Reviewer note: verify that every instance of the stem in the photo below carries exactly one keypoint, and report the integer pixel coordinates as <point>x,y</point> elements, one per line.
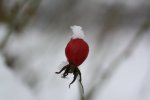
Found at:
<point>81,92</point>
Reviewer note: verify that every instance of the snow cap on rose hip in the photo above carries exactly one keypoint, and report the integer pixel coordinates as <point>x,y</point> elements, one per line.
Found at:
<point>77,32</point>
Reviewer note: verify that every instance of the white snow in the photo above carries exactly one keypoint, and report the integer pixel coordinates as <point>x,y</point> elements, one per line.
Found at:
<point>38,58</point>
<point>11,87</point>
<point>77,32</point>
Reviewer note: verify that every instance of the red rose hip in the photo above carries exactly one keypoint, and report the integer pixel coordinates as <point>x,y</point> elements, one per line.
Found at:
<point>76,52</point>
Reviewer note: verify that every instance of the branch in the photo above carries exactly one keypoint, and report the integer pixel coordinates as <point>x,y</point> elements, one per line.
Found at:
<point>114,65</point>
<point>20,17</point>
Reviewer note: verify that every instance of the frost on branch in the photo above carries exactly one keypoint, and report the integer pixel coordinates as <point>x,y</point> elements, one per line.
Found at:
<point>77,32</point>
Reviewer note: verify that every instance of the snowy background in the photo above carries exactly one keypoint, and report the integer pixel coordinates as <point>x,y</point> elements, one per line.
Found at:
<point>33,36</point>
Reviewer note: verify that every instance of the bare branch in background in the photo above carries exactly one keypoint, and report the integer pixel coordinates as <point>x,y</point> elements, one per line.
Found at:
<point>25,14</point>
<point>111,20</point>
<point>114,65</point>
<point>21,14</point>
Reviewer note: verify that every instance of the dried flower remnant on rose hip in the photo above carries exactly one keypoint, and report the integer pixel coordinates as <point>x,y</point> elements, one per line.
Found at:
<point>76,52</point>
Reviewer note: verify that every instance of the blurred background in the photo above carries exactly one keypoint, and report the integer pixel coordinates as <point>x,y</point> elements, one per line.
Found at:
<point>33,36</point>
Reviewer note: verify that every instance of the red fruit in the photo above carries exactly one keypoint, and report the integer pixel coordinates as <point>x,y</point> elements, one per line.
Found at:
<point>76,51</point>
